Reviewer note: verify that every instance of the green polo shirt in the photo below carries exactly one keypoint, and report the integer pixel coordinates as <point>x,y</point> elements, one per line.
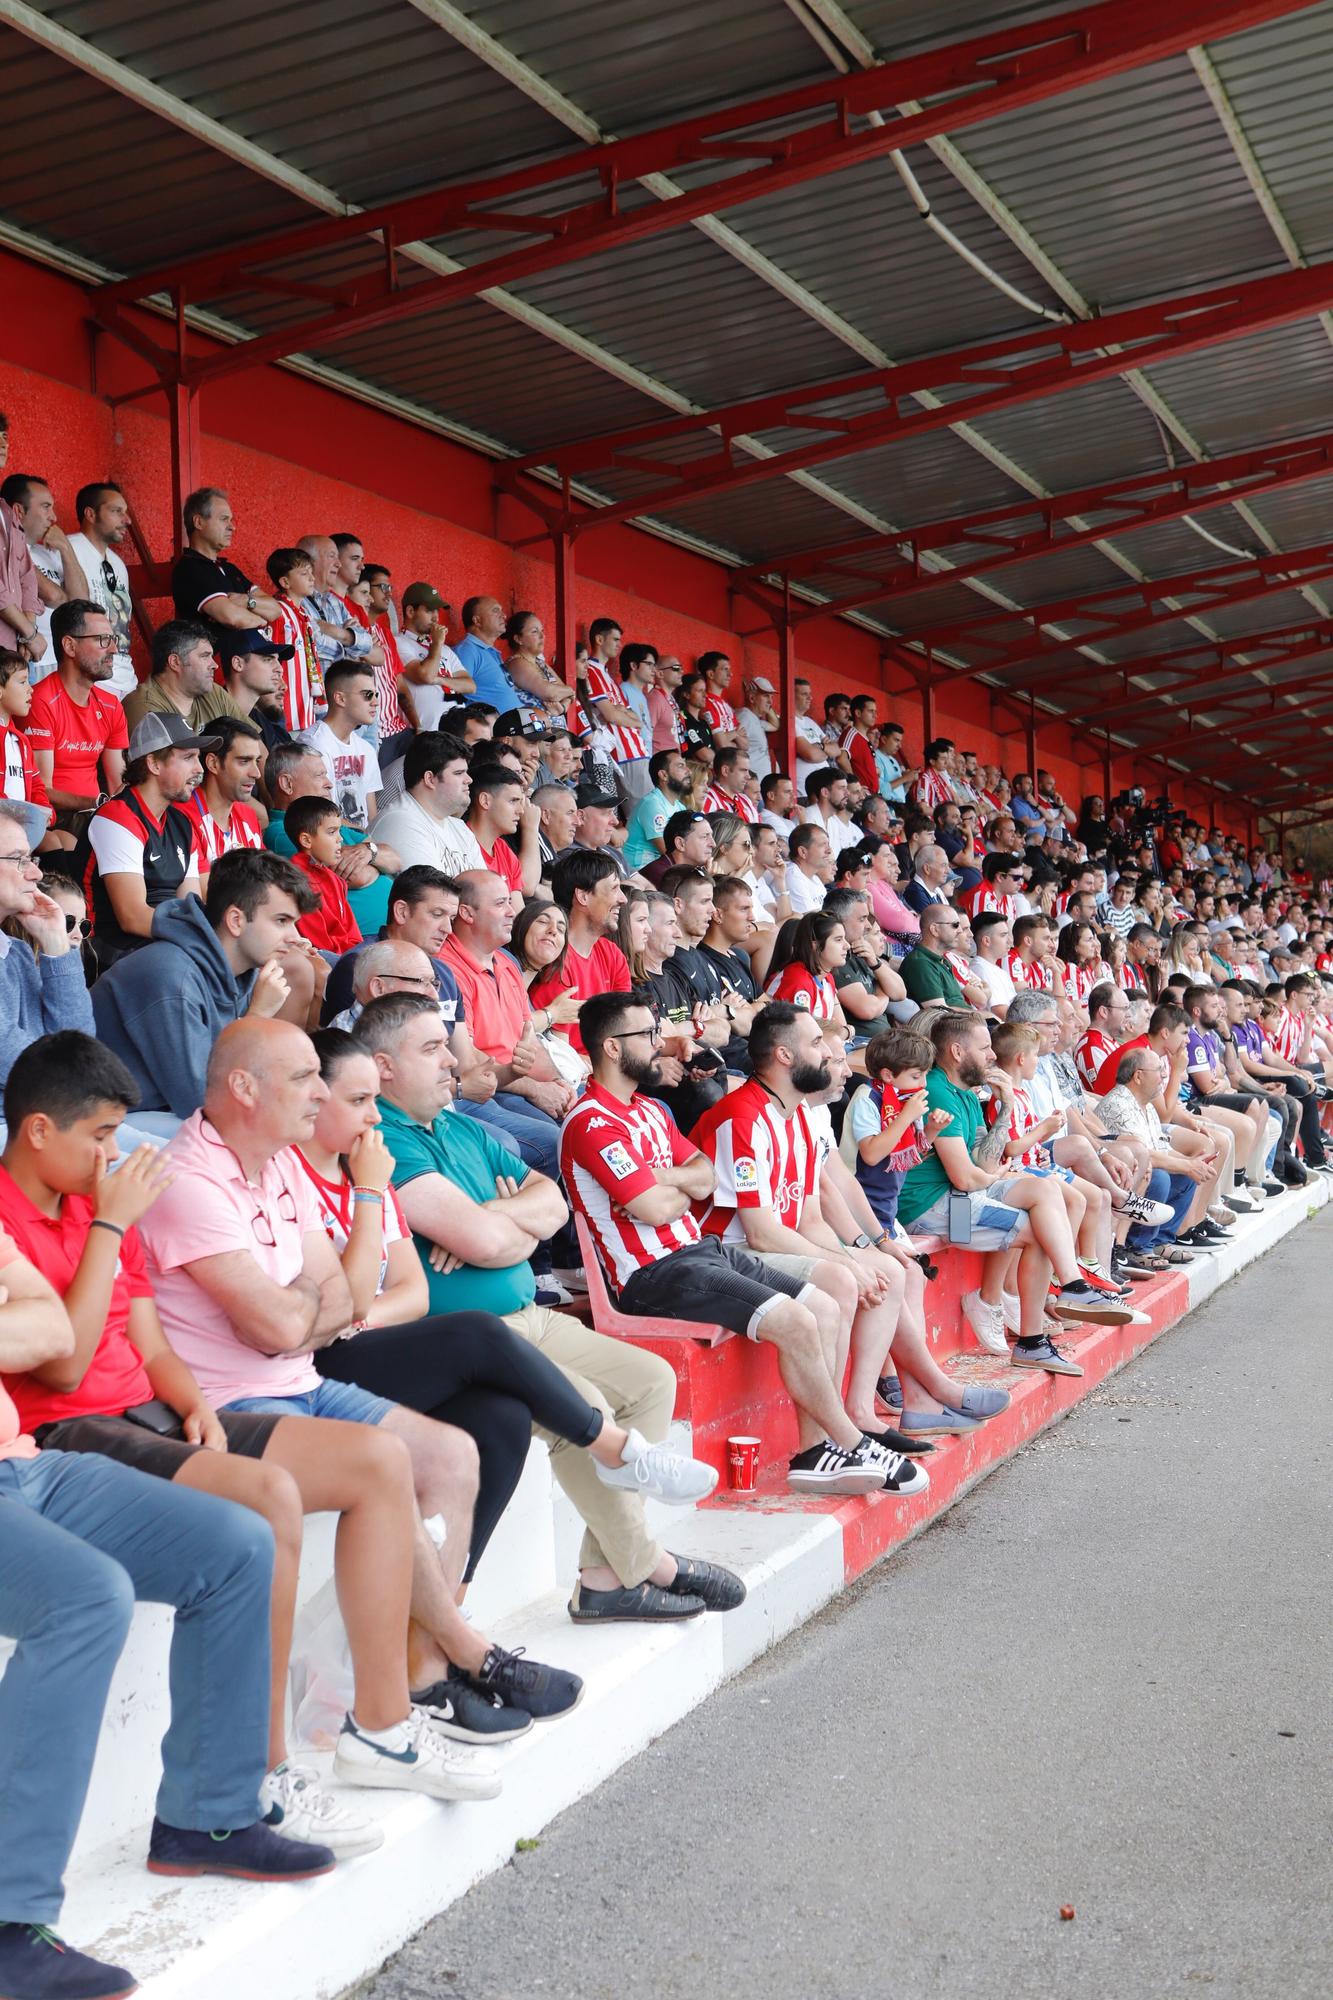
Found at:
<point>928,977</point>
<point>465,1153</point>
<point>925,1184</point>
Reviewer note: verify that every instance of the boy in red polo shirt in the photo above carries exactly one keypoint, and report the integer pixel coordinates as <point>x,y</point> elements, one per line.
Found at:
<point>315,830</point>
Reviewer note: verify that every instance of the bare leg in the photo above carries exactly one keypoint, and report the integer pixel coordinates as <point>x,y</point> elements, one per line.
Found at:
<point>794,1332</point>
<point>364,1476</point>
<point>444,1476</point>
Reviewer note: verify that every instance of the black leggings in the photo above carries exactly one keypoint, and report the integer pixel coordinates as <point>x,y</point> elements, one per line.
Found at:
<point>471,1370</point>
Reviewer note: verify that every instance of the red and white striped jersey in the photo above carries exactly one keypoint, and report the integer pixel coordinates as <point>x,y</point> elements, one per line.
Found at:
<point>931,789</point>
<point>627,746</point>
<point>1034,978</point>
<point>610,1153</point>
<point>1287,1033</point>
<point>1022,1118</point>
<point>1079,982</point>
<point>213,841</point>
<point>719,713</point>
<point>1091,1053</point>
<point>391,717</point>
<point>959,966</point>
<point>762,1160</point>
<point>302,676</point>
<point>984,897</point>
<point>718,801</point>
<point>814,992</point>
<point>1130,978</point>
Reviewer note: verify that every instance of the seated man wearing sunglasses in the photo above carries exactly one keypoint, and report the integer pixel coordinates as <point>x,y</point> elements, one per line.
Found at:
<point>42,989</point>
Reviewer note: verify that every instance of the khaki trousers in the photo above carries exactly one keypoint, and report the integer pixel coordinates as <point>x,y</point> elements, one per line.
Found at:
<point>636,1390</point>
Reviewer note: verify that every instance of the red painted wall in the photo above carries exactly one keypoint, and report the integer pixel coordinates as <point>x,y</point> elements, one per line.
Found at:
<point>298,458</point>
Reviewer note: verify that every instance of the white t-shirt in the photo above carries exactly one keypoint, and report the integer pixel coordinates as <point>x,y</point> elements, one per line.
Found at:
<point>839,833</point>
<point>447,844</point>
<point>429,697</point>
<point>995,979</point>
<point>809,741</point>
<point>805,892</point>
<point>756,742</point>
<point>762,900</point>
<point>50,565</point>
<point>115,603</point>
<point>353,768</point>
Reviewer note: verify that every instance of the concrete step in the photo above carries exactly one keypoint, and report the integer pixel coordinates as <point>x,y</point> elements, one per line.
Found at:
<point>309,1942</point>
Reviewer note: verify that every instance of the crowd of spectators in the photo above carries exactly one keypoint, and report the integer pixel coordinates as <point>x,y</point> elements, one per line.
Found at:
<point>362,971</point>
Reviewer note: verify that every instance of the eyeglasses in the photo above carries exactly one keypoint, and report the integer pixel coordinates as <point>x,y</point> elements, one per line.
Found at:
<point>106,640</point>
<point>18,860</point>
<point>627,1034</point>
<point>262,1225</point>
<point>411,979</point>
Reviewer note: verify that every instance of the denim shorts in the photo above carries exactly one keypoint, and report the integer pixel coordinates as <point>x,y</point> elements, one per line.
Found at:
<point>994,1226</point>
<point>344,1402</point>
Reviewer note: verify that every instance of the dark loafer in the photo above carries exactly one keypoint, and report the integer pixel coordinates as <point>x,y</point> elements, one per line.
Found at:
<point>718,1587</point>
<point>646,1603</point>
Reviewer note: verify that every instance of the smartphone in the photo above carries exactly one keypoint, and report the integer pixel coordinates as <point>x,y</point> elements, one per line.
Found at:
<point>156,1416</point>
<point>960,1217</point>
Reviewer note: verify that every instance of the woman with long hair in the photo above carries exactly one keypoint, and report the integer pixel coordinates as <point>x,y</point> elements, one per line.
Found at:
<point>525,637</point>
<point>539,940</point>
<point>1080,950</point>
<point>808,952</point>
<point>899,922</point>
<point>633,927</point>
<point>732,847</point>
<point>1184,955</point>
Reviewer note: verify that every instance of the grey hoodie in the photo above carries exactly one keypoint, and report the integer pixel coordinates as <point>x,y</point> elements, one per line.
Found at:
<point>162,1008</point>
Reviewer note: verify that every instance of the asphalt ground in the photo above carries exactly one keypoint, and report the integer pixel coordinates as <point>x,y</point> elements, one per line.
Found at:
<point>1101,1682</point>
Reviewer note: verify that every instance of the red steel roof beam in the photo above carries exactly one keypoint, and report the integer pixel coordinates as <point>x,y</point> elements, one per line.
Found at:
<point>1028,528</point>
<point>1194,737</point>
<point>975,382</point>
<point>1119,612</point>
<point>780,141</point>
<point>1202,664</point>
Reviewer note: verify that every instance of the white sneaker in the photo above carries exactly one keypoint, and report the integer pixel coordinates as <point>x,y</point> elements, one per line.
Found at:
<point>1011,1311</point>
<point>418,1760</point>
<point>986,1322</point>
<point>294,1803</point>
<point>655,1472</point>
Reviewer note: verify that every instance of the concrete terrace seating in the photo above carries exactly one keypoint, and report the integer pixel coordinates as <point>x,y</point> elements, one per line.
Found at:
<point>207,1940</point>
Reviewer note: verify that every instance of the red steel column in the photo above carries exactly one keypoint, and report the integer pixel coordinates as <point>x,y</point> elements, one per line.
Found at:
<point>787,680</point>
<point>562,544</point>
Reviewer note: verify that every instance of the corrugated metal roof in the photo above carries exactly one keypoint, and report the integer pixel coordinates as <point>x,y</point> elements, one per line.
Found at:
<point>1133,188</point>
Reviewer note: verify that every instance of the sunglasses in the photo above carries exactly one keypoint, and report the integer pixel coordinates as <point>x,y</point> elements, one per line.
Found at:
<point>77,926</point>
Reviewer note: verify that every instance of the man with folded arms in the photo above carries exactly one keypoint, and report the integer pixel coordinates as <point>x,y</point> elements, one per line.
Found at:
<point>477,1218</point>
<point>637,1182</point>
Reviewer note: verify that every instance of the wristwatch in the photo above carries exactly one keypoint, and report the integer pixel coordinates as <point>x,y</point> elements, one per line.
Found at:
<point>372,848</point>
<point>862,1242</point>
<point>250,604</point>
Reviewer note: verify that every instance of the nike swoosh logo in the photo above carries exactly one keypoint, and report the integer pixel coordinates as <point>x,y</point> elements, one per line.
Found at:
<point>398,1756</point>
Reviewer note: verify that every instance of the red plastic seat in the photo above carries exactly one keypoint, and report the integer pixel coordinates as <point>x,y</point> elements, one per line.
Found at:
<point>629,1326</point>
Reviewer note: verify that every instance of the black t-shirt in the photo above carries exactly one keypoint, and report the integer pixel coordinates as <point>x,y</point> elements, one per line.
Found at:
<point>196,578</point>
<point>700,967</point>
<point>858,972</point>
<point>733,969</point>
<point>696,730</point>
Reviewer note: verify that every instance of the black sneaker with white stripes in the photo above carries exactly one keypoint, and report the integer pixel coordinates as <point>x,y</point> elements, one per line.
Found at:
<point>827,1468</point>
<point>900,1476</point>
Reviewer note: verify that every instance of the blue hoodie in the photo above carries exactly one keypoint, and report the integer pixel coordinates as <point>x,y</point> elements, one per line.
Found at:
<point>162,1008</point>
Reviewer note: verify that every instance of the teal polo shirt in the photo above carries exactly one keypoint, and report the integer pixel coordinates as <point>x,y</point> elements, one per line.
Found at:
<point>926,1183</point>
<point>465,1153</point>
<point>647,823</point>
<point>370,906</point>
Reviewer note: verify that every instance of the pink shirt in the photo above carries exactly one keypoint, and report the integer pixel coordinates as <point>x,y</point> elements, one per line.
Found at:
<point>18,578</point>
<point>209,1209</point>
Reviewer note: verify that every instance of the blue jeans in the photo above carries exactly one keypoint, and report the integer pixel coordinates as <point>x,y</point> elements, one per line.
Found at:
<point>81,1539</point>
<point>1178,1191</point>
<point>342,1402</point>
<point>534,1131</point>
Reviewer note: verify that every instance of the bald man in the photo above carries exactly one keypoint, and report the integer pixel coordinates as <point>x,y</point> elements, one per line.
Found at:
<point>248,1284</point>
<point>389,965</point>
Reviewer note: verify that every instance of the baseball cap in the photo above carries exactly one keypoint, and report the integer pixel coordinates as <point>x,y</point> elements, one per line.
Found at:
<point>157,733</point>
<point>592,794</point>
<point>241,645</point>
<point>759,681</point>
<point>526,723</point>
<point>422,593</point>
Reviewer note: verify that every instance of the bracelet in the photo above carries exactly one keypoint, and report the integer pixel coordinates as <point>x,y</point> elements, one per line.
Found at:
<point>99,1222</point>
<point>368,1194</point>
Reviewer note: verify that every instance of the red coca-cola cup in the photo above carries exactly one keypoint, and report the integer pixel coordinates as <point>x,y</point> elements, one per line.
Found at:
<point>743,1463</point>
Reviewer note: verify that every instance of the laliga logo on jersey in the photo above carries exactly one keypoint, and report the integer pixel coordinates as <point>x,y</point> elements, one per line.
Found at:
<point>747,1177</point>
<point>619,1161</point>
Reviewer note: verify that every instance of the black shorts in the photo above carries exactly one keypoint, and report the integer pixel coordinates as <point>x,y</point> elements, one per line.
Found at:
<point>248,1434</point>
<point>711,1284</point>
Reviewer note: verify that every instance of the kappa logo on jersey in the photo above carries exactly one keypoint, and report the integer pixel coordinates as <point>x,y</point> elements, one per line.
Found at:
<point>598,1124</point>
<point>618,1159</point>
<point>747,1176</point>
